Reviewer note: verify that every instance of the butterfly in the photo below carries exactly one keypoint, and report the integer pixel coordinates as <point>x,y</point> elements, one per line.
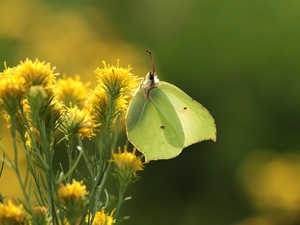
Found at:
<point>161,119</point>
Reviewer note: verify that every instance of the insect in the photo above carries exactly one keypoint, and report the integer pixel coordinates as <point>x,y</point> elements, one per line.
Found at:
<point>161,119</point>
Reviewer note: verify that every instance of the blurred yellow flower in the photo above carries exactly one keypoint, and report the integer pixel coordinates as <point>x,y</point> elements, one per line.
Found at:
<point>127,162</point>
<point>72,193</point>
<point>272,181</point>
<point>11,214</point>
<point>102,219</point>
<point>12,90</point>
<point>72,91</point>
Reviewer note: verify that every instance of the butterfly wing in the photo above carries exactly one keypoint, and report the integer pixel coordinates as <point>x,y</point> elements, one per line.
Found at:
<point>198,124</point>
<point>153,126</point>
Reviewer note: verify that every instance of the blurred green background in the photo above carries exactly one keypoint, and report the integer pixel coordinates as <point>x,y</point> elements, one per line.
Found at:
<point>240,59</point>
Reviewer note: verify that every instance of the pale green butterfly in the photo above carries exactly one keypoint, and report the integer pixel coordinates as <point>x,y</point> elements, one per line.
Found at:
<point>161,119</point>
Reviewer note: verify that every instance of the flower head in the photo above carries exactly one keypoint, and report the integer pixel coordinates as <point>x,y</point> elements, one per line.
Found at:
<point>35,73</point>
<point>126,166</point>
<point>72,193</point>
<point>117,79</point>
<point>79,122</point>
<point>73,199</point>
<point>12,90</point>
<point>127,162</point>
<point>11,214</point>
<point>101,218</point>
<point>115,87</point>
<point>72,91</point>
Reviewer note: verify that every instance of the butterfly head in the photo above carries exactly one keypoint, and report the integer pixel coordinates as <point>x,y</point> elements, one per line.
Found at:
<point>150,80</point>
<point>151,76</point>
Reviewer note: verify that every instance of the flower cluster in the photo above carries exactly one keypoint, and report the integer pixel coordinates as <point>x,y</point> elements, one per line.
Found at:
<point>45,114</point>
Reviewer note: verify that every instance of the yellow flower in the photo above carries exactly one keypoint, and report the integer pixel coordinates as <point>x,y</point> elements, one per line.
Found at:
<point>72,90</point>
<point>101,218</point>
<point>72,193</point>
<point>11,214</point>
<point>12,90</point>
<point>110,97</point>
<point>117,82</point>
<point>73,199</point>
<point>35,73</point>
<point>80,122</point>
<point>117,79</point>
<point>127,161</point>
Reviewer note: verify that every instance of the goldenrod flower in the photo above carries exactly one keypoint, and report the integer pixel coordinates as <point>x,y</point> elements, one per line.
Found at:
<point>74,193</point>
<point>11,214</point>
<point>80,122</point>
<point>41,74</point>
<point>101,218</point>
<point>72,91</point>
<point>35,73</point>
<point>73,199</point>
<point>116,86</point>
<point>127,162</point>
<point>117,79</point>
<point>12,90</point>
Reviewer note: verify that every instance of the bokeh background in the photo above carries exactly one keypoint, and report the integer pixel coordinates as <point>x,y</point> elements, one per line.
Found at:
<point>240,59</point>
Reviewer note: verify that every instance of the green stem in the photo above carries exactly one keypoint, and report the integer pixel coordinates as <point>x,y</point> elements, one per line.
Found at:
<point>70,145</point>
<point>122,189</point>
<point>50,186</point>
<point>16,163</point>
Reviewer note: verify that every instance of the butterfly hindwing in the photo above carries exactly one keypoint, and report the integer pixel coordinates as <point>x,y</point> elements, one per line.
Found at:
<point>197,122</point>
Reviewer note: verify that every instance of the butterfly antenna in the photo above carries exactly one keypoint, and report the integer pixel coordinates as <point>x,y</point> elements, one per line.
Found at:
<point>152,59</point>
<point>152,74</point>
